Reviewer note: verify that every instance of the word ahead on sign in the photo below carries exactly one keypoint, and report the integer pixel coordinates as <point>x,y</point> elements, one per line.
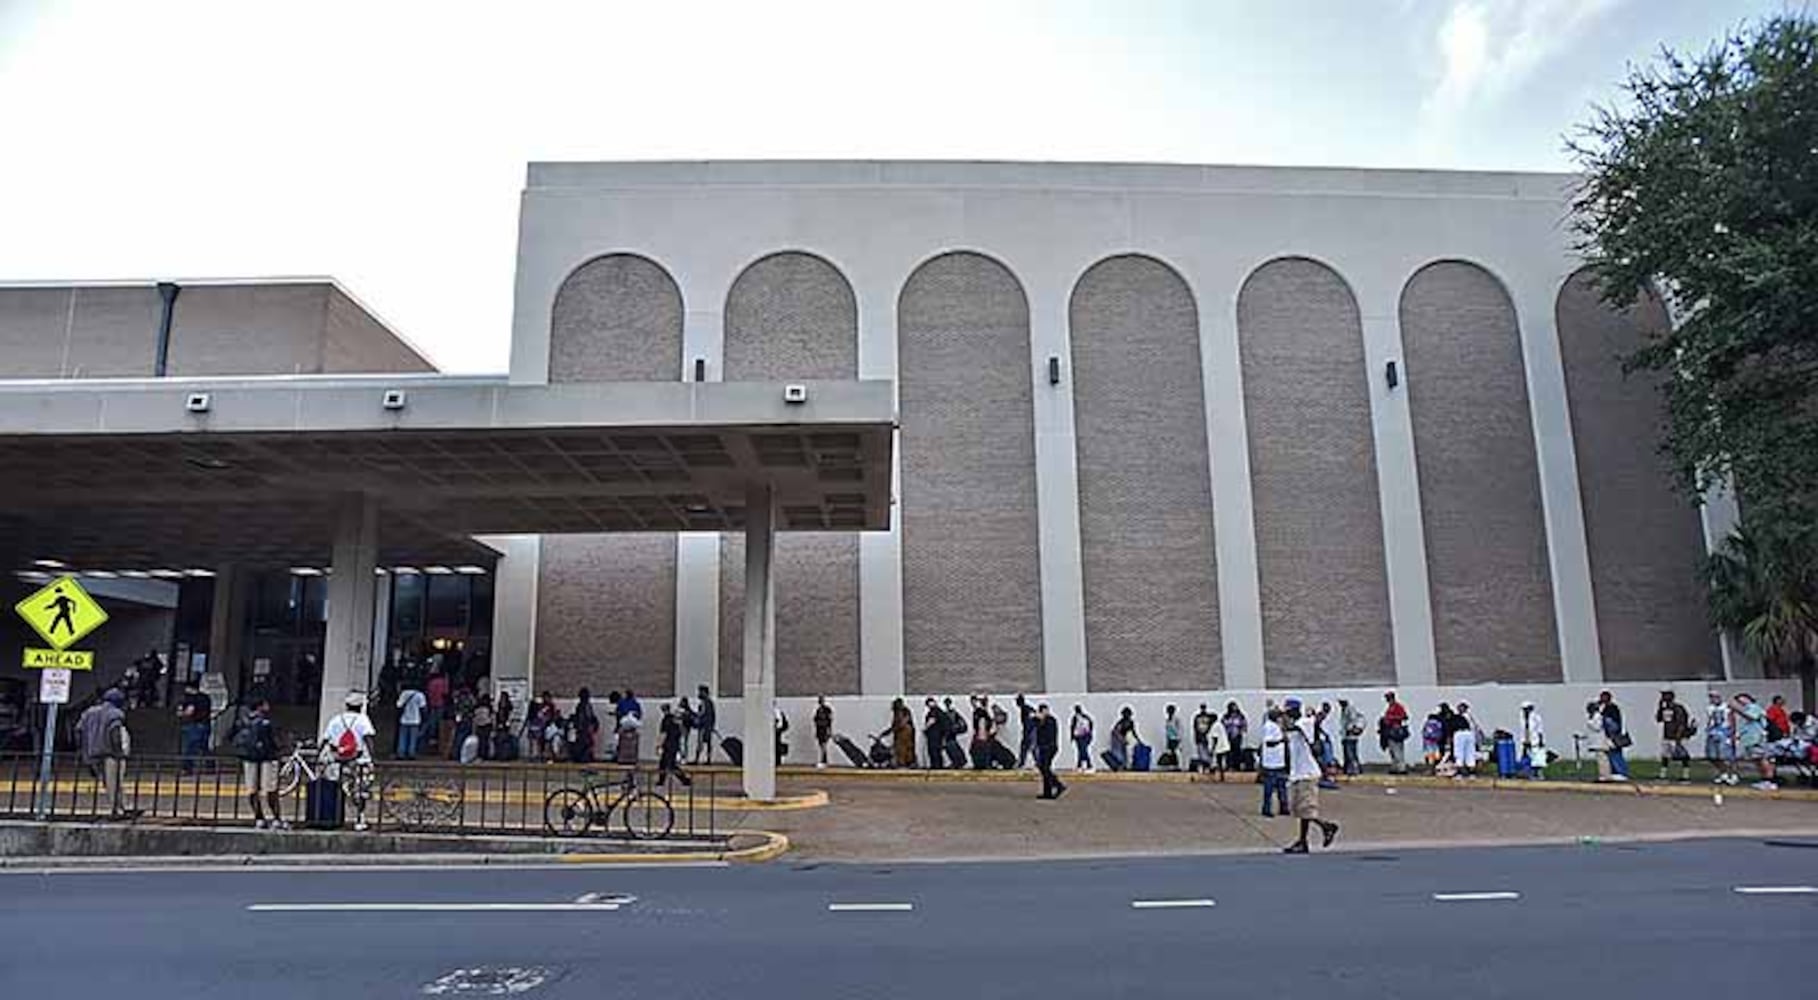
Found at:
<point>59,659</point>
<point>61,612</point>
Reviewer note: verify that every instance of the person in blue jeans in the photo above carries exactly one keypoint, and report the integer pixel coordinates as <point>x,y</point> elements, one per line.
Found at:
<point>194,712</point>
<point>1082,738</point>
<point>1273,762</point>
<point>1613,729</point>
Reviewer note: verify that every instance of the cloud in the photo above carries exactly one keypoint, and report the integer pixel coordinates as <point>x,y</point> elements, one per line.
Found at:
<point>1486,49</point>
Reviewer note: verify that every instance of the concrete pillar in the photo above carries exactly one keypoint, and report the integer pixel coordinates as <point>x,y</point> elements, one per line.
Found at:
<point>760,642</point>
<point>1233,507</point>
<point>1719,515</point>
<point>514,606</point>
<point>347,648</point>
<point>227,623</point>
<point>1063,584</point>
<point>1404,543</point>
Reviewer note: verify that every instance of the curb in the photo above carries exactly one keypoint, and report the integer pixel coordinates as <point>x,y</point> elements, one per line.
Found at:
<point>782,803</point>
<point>775,845</point>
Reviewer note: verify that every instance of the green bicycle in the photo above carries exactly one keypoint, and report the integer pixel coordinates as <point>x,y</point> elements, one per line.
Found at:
<point>643,814</point>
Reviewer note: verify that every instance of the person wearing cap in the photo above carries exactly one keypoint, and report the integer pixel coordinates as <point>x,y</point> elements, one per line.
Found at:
<point>105,745</point>
<point>347,750</point>
<point>1533,742</point>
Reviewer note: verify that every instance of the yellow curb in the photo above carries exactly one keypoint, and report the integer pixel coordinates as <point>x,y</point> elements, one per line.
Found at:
<point>775,845</point>
<point>782,803</point>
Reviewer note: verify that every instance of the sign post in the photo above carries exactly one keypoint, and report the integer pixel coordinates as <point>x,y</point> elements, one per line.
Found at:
<point>62,612</point>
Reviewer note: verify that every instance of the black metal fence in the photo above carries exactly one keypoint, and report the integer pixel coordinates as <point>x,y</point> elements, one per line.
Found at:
<point>602,801</point>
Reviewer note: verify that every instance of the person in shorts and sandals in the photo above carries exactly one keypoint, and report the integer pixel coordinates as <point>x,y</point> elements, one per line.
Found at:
<point>256,741</point>
<point>1720,740</point>
<point>1676,726</point>
<point>1304,774</point>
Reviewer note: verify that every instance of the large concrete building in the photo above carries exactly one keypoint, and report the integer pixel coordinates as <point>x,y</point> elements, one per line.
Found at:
<point>1165,432</point>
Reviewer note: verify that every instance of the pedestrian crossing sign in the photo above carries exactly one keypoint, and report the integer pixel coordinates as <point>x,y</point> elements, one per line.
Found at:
<point>61,612</point>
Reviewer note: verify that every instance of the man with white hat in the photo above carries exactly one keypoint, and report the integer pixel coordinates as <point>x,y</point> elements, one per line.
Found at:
<point>347,750</point>
<point>1533,743</point>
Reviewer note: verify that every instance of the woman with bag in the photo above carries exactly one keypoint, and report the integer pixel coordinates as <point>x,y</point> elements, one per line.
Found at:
<point>1616,736</point>
<point>1082,738</point>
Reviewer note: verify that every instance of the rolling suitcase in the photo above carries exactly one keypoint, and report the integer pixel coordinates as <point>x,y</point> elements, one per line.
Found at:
<point>1111,762</point>
<point>735,750</point>
<point>322,805</point>
<point>852,751</point>
<point>881,754</point>
<point>1141,757</point>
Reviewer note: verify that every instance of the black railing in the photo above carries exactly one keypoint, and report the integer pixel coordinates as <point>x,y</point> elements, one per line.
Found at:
<point>511,799</point>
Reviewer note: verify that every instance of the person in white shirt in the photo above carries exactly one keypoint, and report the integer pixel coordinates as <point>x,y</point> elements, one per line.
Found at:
<point>1303,779</point>
<point>1274,763</point>
<point>411,704</point>
<point>347,752</point>
<point>1464,743</point>
<point>1533,741</point>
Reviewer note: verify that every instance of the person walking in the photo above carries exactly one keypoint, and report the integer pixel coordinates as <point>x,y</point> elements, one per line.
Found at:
<point>1676,727</point>
<point>706,725</point>
<point>902,734</point>
<point>669,753</point>
<point>1025,718</point>
<point>256,741</point>
<point>823,728</point>
<point>1171,741</point>
<point>1720,740</point>
<point>586,729</point>
<point>194,713</point>
<point>1081,730</point>
<point>435,700</point>
<point>1047,745</point>
<point>1304,773</point>
<point>934,733</point>
<point>1273,761</point>
<point>1392,733</point>
<point>1237,725</point>
<point>1205,742</point>
<point>411,704</point>
<point>1351,724</point>
<point>1533,742</point>
<point>1617,734</point>
<point>104,744</point>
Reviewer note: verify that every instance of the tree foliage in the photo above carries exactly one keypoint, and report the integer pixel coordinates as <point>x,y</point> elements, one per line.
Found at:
<point>1703,183</point>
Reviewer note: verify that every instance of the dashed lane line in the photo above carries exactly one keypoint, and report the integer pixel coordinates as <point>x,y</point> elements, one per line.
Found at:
<point>1474,897</point>
<point>1171,904</point>
<point>1777,890</point>
<point>870,907</point>
<point>433,908</point>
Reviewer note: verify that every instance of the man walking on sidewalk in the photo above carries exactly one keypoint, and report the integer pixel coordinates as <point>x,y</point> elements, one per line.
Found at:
<point>1046,729</point>
<point>1303,780</point>
<point>104,744</point>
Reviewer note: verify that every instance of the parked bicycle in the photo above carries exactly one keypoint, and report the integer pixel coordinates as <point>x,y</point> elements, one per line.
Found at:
<point>303,764</point>
<point>644,814</point>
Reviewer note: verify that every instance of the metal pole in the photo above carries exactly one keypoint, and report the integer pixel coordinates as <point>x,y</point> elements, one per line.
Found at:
<point>167,291</point>
<point>44,765</point>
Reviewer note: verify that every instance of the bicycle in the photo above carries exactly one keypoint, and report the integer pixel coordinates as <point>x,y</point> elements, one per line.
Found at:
<point>299,767</point>
<point>643,814</point>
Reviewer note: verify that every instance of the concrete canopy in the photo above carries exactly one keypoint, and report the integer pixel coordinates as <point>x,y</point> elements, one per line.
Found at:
<point>138,474</point>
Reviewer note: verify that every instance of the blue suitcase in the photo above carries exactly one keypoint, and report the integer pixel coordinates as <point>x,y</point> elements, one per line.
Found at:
<point>1140,758</point>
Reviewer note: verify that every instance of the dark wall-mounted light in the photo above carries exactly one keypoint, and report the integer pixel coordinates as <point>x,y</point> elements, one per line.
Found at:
<point>1053,370</point>
<point>1391,374</point>
<point>700,369</point>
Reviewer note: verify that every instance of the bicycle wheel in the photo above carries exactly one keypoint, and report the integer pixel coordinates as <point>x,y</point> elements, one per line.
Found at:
<point>567,812</point>
<point>290,775</point>
<point>646,815</point>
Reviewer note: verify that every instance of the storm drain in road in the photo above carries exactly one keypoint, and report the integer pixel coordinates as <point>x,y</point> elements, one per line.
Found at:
<point>491,981</point>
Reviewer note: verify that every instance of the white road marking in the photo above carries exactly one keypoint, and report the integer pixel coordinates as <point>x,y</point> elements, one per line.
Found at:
<point>870,907</point>
<point>591,897</point>
<point>251,866</point>
<point>1170,904</point>
<point>488,981</point>
<point>1473,897</point>
<point>433,907</point>
<point>1777,890</point>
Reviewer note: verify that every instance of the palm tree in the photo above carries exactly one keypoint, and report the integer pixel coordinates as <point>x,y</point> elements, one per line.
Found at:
<point>1762,587</point>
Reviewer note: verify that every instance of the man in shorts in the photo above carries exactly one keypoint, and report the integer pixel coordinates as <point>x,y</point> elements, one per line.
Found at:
<point>1304,774</point>
<point>1675,728</point>
<point>257,744</point>
<point>1720,740</point>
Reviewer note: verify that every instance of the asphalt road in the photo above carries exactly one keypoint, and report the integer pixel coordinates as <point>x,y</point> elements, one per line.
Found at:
<point>1614,921</point>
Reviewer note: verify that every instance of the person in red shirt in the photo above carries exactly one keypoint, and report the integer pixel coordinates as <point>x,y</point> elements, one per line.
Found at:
<point>1392,733</point>
<point>1778,719</point>
<point>436,692</point>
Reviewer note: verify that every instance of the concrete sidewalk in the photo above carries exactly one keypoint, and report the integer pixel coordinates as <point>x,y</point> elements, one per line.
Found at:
<point>888,818</point>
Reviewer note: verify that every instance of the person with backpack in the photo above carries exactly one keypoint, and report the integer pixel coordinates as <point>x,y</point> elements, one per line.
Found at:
<point>956,728</point>
<point>934,732</point>
<point>256,741</point>
<point>1081,728</point>
<point>347,754</point>
<point>105,744</point>
<point>1676,726</point>
<point>706,726</point>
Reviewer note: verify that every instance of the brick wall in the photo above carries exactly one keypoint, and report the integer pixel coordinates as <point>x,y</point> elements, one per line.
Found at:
<point>1479,480</point>
<point>1145,502</point>
<point>971,576</point>
<point>1645,540</point>
<point>1325,595</point>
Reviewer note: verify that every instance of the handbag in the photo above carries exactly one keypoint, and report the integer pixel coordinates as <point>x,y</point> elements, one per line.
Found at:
<point>1621,741</point>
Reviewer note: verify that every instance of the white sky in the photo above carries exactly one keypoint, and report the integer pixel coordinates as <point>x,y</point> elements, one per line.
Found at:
<point>384,142</point>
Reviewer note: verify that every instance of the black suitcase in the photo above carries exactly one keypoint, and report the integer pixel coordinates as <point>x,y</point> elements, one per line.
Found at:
<point>735,750</point>
<point>881,754</point>
<point>1111,763</point>
<point>1002,756</point>
<point>322,805</point>
<point>852,751</point>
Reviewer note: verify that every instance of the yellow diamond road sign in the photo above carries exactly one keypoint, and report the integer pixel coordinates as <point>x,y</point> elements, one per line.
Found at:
<point>62,612</point>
